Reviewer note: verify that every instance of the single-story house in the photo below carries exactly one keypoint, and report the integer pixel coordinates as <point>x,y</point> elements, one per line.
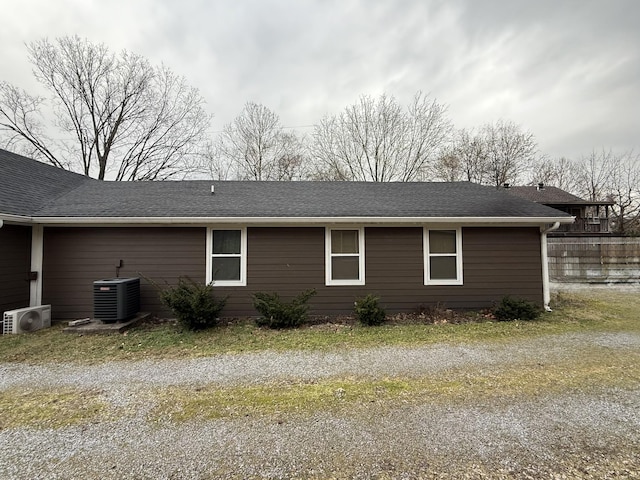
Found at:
<point>591,217</point>
<point>458,244</point>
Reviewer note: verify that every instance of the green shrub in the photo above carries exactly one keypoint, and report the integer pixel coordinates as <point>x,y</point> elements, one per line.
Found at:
<point>279,314</point>
<point>368,311</point>
<point>516,309</point>
<point>193,303</point>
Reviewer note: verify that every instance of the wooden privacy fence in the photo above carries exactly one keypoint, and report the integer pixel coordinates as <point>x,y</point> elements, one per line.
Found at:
<point>594,259</point>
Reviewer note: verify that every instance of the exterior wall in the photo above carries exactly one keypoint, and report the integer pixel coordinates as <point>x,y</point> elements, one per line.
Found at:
<point>594,259</point>
<point>15,265</point>
<point>75,257</point>
<point>497,262</point>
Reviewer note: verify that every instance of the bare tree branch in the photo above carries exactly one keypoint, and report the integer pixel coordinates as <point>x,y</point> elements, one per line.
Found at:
<point>20,118</point>
<point>558,172</point>
<point>593,175</point>
<point>377,140</point>
<point>257,147</point>
<point>120,115</point>
<point>510,151</point>
<point>498,153</point>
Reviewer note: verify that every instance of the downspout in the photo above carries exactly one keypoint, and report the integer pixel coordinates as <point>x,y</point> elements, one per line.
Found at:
<point>546,293</point>
<point>37,247</point>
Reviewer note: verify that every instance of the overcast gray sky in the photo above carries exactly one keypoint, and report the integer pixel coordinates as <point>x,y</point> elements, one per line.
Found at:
<point>568,71</point>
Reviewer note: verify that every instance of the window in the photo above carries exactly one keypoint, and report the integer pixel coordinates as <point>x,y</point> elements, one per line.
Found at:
<point>443,257</point>
<point>344,256</point>
<point>227,256</point>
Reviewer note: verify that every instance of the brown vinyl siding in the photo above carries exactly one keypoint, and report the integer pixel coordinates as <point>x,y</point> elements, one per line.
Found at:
<point>288,260</point>
<point>15,265</point>
<point>497,262</point>
<point>75,257</point>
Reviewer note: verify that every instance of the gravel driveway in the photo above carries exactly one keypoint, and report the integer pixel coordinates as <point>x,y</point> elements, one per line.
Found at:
<point>591,434</point>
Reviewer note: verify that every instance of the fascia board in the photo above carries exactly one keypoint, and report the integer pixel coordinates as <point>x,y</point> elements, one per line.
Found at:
<point>293,221</point>
<point>10,218</point>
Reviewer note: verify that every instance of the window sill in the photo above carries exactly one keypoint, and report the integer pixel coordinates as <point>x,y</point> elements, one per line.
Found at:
<point>221,283</point>
<point>443,282</point>
<point>344,283</point>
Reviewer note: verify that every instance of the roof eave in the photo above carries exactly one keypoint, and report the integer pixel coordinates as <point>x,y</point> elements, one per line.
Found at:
<point>583,203</point>
<point>12,218</point>
<point>285,221</point>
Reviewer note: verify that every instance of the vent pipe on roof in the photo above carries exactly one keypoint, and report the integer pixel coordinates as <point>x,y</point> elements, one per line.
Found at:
<point>541,186</point>
<point>213,189</point>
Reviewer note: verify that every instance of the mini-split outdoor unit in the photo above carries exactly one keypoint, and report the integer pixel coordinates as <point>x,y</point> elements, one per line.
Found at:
<point>27,319</point>
<point>116,299</point>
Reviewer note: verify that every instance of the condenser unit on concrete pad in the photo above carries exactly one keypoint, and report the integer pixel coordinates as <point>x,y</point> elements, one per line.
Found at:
<point>28,319</point>
<point>116,299</point>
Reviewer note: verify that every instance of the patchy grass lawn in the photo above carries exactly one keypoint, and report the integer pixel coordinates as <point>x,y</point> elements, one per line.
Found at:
<point>50,408</point>
<point>601,311</point>
<point>592,368</point>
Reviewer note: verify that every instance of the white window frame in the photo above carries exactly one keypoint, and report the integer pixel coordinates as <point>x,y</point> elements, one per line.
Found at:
<point>328,256</point>
<point>243,258</point>
<point>427,255</point>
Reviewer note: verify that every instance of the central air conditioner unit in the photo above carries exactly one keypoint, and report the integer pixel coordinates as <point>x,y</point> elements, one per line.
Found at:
<point>27,319</point>
<point>116,299</point>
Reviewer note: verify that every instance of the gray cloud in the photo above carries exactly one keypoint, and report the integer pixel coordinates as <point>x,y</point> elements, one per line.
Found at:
<point>568,71</point>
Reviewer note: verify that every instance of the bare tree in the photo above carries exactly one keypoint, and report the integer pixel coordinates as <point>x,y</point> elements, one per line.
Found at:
<point>510,151</point>
<point>496,154</point>
<point>214,164</point>
<point>118,115</point>
<point>448,166</point>
<point>22,124</point>
<point>378,140</point>
<point>593,175</point>
<point>465,159</point>
<point>256,147</point>
<point>559,172</point>
<point>624,189</point>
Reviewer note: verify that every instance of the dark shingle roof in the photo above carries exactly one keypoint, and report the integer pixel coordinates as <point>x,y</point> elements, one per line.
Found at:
<point>34,189</point>
<point>27,185</point>
<point>550,196</point>
<point>290,199</point>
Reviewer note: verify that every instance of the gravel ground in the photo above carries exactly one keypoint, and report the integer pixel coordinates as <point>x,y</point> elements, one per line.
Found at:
<point>592,434</point>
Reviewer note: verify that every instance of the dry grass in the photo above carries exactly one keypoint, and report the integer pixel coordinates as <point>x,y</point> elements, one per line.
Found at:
<point>602,311</point>
<point>596,367</point>
<point>50,408</point>
<point>592,368</point>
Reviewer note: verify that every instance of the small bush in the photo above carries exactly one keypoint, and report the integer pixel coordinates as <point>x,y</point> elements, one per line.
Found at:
<point>193,304</point>
<point>279,314</point>
<point>368,311</point>
<point>516,309</point>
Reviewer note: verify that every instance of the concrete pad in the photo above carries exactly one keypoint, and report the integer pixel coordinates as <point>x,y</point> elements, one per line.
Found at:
<point>96,326</point>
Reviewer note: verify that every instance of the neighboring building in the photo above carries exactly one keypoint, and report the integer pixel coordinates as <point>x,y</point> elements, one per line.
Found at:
<point>591,218</point>
<point>458,244</point>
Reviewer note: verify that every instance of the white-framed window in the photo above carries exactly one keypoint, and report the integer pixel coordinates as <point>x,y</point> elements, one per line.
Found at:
<point>227,256</point>
<point>344,259</point>
<point>442,256</point>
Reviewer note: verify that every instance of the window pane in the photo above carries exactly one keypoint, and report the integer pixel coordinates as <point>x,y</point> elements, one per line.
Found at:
<point>442,241</point>
<point>443,268</point>
<point>226,241</point>
<point>226,268</point>
<point>344,241</point>
<point>345,268</point>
